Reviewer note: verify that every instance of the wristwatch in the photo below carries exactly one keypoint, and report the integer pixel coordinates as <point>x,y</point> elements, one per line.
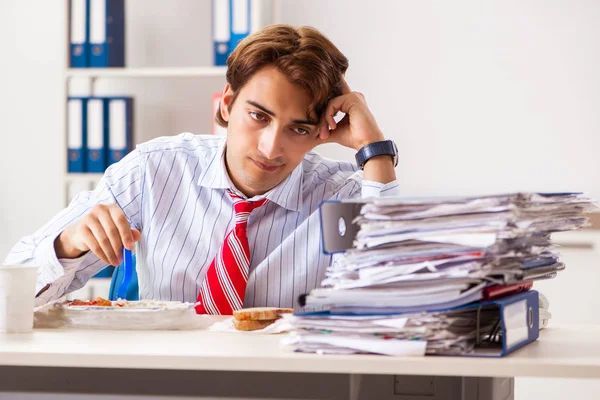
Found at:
<point>383,148</point>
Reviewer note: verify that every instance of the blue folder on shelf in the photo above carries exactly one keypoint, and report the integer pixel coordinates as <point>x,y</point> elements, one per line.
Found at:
<point>120,127</point>
<point>79,33</point>
<point>76,134</point>
<point>239,22</point>
<point>96,135</point>
<point>221,19</point>
<point>107,33</point>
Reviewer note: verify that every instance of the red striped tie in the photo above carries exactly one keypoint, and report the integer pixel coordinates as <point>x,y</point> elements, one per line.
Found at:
<point>224,285</point>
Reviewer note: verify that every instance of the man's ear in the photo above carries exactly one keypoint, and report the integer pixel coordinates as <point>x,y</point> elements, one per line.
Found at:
<point>226,99</point>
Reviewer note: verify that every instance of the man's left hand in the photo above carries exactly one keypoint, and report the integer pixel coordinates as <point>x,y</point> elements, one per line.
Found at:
<point>358,127</point>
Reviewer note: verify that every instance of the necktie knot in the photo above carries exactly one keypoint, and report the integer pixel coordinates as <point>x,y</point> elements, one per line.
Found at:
<point>243,208</point>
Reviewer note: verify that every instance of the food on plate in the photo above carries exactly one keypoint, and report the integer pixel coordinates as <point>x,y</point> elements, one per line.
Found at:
<point>251,319</point>
<point>101,313</point>
<point>97,302</point>
<point>101,302</point>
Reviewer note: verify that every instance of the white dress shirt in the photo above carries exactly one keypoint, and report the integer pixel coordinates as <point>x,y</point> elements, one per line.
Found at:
<point>173,190</point>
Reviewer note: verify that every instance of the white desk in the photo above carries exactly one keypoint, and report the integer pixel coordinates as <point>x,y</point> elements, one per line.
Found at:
<point>561,352</point>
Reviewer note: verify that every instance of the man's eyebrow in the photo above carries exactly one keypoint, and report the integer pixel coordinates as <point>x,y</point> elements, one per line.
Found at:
<point>266,110</point>
<point>272,114</point>
<point>305,122</point>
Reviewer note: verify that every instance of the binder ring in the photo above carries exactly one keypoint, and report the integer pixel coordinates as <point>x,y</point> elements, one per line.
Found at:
<point>342,226</point>
<point>530,318</point>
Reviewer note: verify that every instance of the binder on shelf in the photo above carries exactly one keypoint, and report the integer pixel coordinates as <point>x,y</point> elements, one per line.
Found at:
<point>120,127</point>
<point>221,32</point>
<point>76,134</point>
<point>216,128</point>
<point>239,22</point>
<point>96,134</point>
<point>79,34</point>
<point>107,33</point>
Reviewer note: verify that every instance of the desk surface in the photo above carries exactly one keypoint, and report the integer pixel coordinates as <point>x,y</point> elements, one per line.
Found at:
<point>562,351</point>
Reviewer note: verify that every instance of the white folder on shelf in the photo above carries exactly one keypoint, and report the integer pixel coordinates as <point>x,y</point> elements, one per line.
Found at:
<point>96,131</point>
<point>120,126</point>
<point>76,120</point>
<point>240,22</point>
<point>221,31</point>
<point>79,34</point>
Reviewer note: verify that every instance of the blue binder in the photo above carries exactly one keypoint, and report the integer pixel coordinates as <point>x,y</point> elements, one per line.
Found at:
<point>221,33</point>
<point>76,133</point>
<point>107,33</point>
<point>79,33</point>
<point>120,127</point>
<point>518,323</point>
<point>97,133</point>
<point>239,22</point>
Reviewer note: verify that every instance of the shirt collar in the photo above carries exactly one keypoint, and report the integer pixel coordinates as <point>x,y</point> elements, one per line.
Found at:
<point>287,194</point>
<point>214,174</point>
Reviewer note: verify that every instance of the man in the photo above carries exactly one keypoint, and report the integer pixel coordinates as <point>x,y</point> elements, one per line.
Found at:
<point>233,221</point>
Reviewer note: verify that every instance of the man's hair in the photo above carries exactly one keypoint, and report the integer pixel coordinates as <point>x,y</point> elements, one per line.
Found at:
<point>304,55</point>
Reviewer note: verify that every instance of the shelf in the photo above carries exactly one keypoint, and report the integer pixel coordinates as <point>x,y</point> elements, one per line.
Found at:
<point>158,72</point>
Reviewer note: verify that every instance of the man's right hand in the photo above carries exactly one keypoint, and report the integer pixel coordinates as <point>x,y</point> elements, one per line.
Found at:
<point>103,230</point>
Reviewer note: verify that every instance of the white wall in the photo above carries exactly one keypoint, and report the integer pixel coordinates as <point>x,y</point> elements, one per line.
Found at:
<point>31,59</point>
<point>480,95</point>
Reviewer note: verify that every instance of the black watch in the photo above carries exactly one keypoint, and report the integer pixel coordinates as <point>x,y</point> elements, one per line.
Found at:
<point>384,148</point>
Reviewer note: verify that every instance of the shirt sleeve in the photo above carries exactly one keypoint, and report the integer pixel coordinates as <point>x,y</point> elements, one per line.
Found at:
<point>355,187</point>
<point>121,185</point>
<point>377,189</point>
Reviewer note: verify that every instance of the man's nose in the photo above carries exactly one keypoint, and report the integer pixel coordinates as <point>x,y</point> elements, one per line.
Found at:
<point>270,144</point>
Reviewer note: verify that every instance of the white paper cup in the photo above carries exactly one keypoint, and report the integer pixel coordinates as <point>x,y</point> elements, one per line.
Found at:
<point>17,298</point>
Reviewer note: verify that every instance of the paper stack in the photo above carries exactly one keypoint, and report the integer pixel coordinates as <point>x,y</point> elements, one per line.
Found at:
<point>413,262</point>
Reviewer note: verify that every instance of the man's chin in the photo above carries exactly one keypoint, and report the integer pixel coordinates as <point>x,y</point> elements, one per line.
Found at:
<point>260,184</point>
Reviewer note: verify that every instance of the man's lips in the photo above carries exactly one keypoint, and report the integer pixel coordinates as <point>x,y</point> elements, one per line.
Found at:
<point>266,167</point>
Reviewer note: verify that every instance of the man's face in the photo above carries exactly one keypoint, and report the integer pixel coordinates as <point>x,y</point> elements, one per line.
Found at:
<point>268,132</point>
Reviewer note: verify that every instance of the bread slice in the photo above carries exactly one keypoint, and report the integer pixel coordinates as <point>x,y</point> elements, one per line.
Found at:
<point>260,313</point>
<point>252,325</point>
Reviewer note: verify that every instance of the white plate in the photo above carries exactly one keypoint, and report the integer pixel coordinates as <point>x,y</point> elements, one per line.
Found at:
<point>142,315</point>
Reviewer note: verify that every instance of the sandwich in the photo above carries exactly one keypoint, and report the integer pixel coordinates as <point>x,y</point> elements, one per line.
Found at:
<point>252,319</point>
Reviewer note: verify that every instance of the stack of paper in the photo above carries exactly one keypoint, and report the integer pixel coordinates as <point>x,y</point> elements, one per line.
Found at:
<point>449,333</point>
<point>428,255</point>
